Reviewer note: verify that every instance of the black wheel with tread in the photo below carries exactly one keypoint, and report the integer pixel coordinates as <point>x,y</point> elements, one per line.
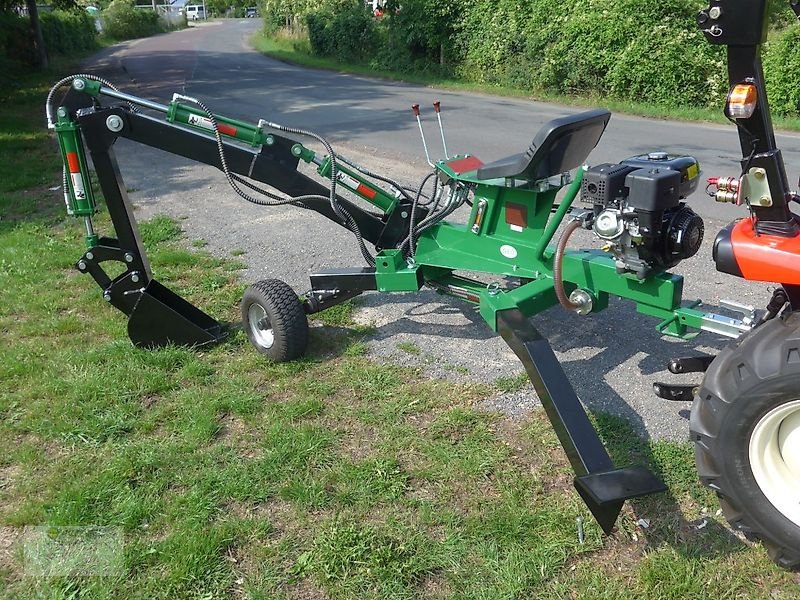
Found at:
<point>274,320</point>
<point>745,425</point>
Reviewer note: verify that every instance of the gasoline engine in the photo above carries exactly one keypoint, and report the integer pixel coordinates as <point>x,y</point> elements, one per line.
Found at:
<point>639,214</point>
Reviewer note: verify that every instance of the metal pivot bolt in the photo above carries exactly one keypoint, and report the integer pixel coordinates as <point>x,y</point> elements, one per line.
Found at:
<point>82,266</point>
<point>107,296</point>
<point>715,12</point>
<point>114,123</point>
<point>79,84</point>
<point>128,257</point>
<point>135,277</point>
<point>89,256</point>
<point>583,300</point>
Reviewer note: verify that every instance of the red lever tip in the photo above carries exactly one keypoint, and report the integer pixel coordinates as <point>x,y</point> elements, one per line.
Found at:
<point>437,106</point>
<point>415,108</point>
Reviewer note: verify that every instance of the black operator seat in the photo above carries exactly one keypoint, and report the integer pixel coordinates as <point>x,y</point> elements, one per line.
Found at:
<point>560,145</point>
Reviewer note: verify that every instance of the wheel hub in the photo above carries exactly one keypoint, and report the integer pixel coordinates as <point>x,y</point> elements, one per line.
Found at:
<point>775,458</point>
<point>260,327</point>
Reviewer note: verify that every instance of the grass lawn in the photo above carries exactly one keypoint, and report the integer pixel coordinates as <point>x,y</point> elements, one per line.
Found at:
<point>334,476</point>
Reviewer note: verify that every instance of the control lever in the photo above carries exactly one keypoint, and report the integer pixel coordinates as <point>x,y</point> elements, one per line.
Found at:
<point>415,108</point>
<point>437,106</point>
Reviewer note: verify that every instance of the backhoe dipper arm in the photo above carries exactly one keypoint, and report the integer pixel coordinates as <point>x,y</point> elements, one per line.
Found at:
<point>158,316</point>
<point>274,165</point>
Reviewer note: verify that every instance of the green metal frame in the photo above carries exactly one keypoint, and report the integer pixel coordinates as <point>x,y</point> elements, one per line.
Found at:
<point>495,247</point>
<point>489,242</point>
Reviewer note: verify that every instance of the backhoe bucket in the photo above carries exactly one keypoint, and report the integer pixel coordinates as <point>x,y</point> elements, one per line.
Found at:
<point>161,317</point>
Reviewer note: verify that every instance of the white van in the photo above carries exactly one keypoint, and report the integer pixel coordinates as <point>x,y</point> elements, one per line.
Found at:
<point>194,12</point>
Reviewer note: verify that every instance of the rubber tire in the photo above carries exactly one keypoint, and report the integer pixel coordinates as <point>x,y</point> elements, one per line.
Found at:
<point>747,380</point>
<point>286,316</point>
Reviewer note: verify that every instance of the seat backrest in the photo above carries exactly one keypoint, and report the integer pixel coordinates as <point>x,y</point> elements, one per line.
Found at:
<point>560,145</point>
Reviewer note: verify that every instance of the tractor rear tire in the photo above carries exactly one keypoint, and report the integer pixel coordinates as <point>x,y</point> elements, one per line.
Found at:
<point>745,425</point>
<point>274,320</point>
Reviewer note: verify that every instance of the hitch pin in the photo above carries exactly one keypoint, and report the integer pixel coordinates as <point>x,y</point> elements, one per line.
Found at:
<point>415,108</point>
<point>437,106</point>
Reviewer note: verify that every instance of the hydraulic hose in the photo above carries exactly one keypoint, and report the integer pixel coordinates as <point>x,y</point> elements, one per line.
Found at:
<point>346,219</point>
<point>48,106</point>
<point>558,282</point>
<point>413,216</point>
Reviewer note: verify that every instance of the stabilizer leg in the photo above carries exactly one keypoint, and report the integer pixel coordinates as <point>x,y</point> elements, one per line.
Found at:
<point>602,486</point>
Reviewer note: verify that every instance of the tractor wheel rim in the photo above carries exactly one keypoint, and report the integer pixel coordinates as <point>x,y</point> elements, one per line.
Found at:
<point>260,327</point>
<point>775,458</point>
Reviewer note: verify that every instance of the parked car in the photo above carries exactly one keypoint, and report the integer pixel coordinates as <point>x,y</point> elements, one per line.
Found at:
<point>195,11</point>
<point>251,12</point>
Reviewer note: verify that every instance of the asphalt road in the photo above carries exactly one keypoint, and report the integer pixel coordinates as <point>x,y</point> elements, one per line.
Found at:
<point>612,358</point>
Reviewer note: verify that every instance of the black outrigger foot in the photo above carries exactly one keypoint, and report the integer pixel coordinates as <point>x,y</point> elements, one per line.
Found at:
<point>603,487</point>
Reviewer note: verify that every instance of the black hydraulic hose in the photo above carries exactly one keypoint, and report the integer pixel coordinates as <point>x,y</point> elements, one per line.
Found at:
<point>48,105</point>
<point>346,219</point>
<point>400,188</point>
<point>558,282</point>
<point>432,218</point>
<point>455,200</point>
<point>413,216</point>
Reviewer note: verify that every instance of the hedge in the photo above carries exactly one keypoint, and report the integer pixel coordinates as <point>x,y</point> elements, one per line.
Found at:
<point>68,32</point>
<point>121,21</point>
<point>347,33</point>
<point>782,71</point>
<point>649,52</point>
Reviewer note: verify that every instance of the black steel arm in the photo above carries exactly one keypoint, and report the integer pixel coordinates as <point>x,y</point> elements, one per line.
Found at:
<point>603,487</point>
<point>741,26</point>
<point>274,165</point>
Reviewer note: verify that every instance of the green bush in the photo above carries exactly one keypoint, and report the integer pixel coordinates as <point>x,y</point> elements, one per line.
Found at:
<point>503,41</point>
<point>68,32</point>
<point>782,71</point>
<point>630,49</point>
<point>121,21</point>
<point>680,69</point>
<point>16,42</point>
<point>65,32</point>
<point>419,36</point>
<point>346,32</point>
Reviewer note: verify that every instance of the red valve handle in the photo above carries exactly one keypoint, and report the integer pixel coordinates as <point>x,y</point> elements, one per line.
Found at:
<point>415,108</point>
<point>437,106</point>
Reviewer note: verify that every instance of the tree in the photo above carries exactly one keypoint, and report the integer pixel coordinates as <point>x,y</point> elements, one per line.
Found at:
<point>40,52</point>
